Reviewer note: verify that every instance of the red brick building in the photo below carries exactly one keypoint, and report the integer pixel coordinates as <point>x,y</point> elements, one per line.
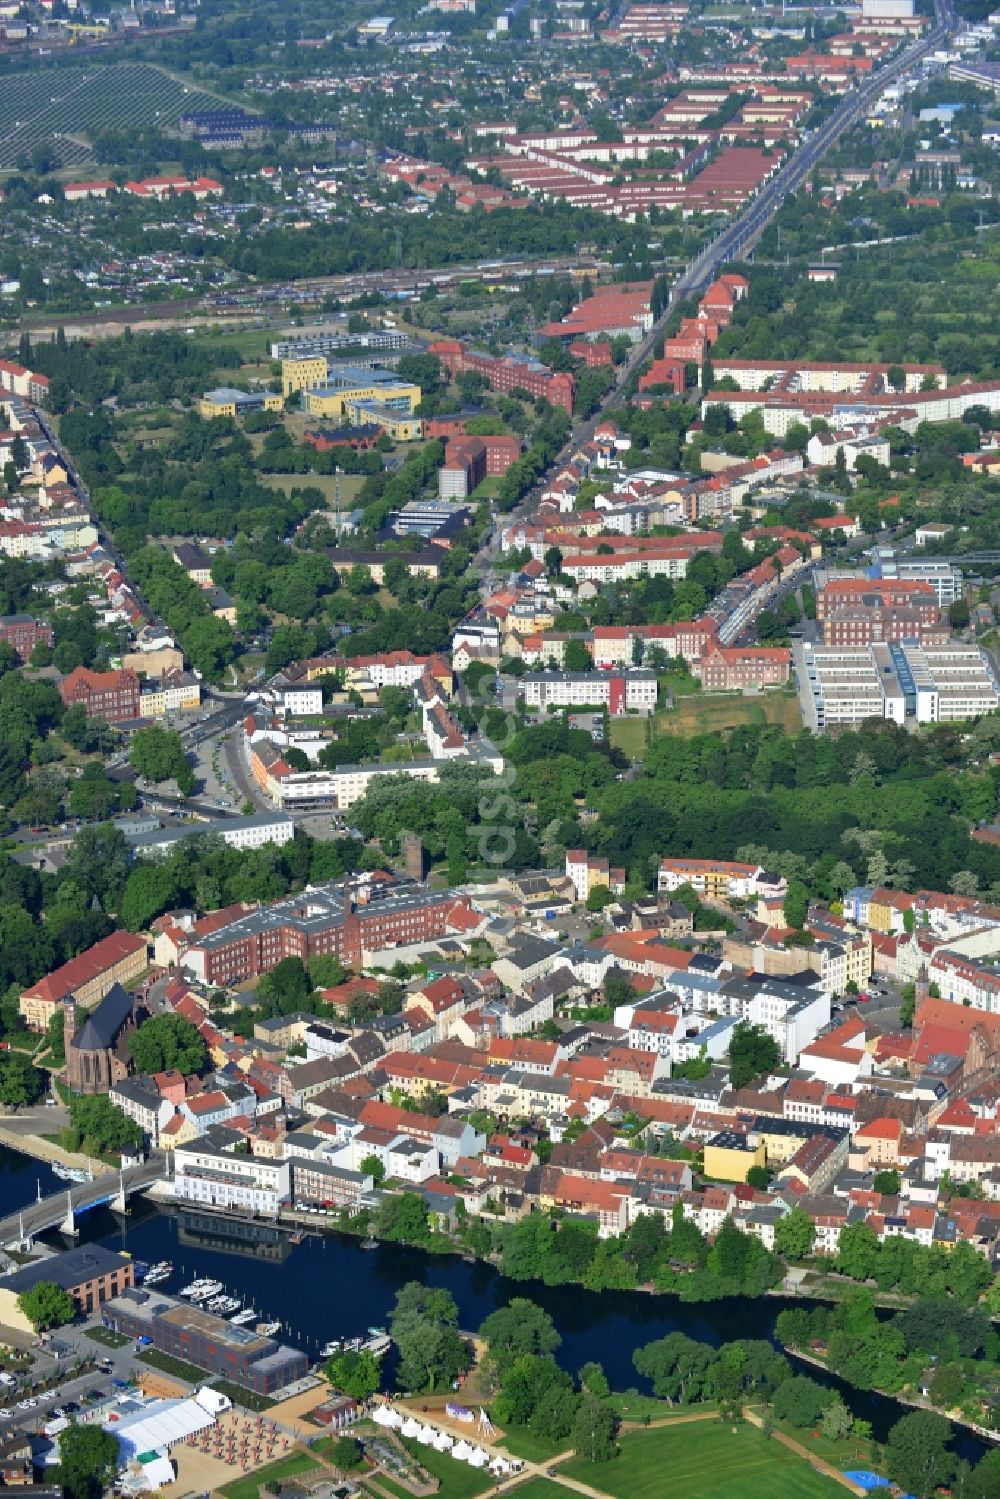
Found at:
<point>867,626</point>
<point>671,372</point>
<point>885,593</point>
<point>23,632</point>
<point>506,374</point>
<point>335,918</point>
<point>731,670</point>
<point>595,354</point>
<point>113,695</point>
<point>464,468</point>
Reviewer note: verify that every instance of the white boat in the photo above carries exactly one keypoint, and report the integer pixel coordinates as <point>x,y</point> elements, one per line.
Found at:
<point>70,1173</point>
<point>268,1329</point>
<point>224,1306</point>
<point>329,1349</point>
<point>201,1290</point>
<point>243,1319</point>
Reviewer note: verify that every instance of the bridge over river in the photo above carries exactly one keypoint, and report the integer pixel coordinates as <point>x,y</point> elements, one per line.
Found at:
<point>60,1209</point>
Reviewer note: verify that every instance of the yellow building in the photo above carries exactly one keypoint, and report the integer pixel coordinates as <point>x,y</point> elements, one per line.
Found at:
<point>401,426</point>
<point>349,387</point>
<point>729,1157</point>
<point>227,401</point>
<point>782,1144</point>
<point>116,959</point>
<point>300,374</point>
<point>880,913</point>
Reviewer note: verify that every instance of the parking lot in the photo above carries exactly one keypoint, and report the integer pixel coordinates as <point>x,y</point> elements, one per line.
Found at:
<point>592,722</point>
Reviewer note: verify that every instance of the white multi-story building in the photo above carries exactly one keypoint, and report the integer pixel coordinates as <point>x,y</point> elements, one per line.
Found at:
<point>654,562</point>
<point>719,879</point>
<point>631,691</point>
<point>411,1160</point>
<point>904,682</point>
<point>297,701</point>
<point>210,1177</point>
<point>238,832</point>
<point>140,1101</point>
<point>794,1014</point>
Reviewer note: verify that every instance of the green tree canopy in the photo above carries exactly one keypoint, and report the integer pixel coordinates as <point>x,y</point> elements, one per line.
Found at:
<point>917,1453</point>
<point>167,1042</point>
<point>46,1305</point>
<point>519,1327</point>
<point>356,1373</point>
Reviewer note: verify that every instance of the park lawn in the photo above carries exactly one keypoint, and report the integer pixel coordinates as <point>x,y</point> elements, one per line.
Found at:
<point>629,734</point>
<point>630,1405</point>
<point>287,1467</point>
<point>678,683</point>
<point>457,1479</point>
<point>852,1452</point>
<point>350,485</point>
<point>248,343</point>
<point>520,1442</point>
<point>704,1460</point>
<point>710,714</point>
<point>539,1488</point>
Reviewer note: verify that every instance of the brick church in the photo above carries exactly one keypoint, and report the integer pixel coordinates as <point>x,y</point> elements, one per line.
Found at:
<point>97,1053</point>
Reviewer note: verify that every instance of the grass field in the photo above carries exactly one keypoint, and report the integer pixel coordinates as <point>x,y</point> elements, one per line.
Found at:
<point>630,1405</point>
<point>539,1488</point>
<point>286,1467</point>
<point>705,713</point>
<point>458,1480</point>
<point>350,485</point>
<point>629,734</point>
<point>852,1452</point>
<point>520,1441</point>
<point>704,1460</point>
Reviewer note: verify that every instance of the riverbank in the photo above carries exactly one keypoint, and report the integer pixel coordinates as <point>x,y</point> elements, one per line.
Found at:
<point>917,1403</point>
<point>40,1148</point>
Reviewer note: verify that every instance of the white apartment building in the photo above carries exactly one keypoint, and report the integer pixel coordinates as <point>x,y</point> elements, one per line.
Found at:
<point>411,1160</point>
<point>652,563</point>
<point>792,1014</point>
<point>298,701</point>
<point>209,1177</point>
<point>718,879</point>
<point>632,691</point>
<point>140,1102</point>
<point>393,669</point>
<point>965,981</point>
<point>908,683</point>
<point>238,832</point>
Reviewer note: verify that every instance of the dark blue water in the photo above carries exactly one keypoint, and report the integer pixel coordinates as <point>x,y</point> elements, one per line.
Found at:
<point>21,1180</point>
<point>329,1287</point>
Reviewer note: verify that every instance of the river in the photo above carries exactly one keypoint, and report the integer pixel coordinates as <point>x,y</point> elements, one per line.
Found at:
<point>329,1287</point>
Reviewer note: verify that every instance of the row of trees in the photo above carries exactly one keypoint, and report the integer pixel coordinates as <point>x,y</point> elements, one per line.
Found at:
<point>957,1345</point>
